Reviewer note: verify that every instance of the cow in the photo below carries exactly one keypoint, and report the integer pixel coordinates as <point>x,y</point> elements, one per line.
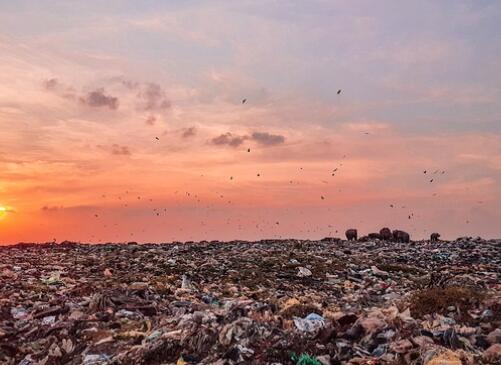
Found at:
<point>351,234</point>
<point>401,236</point>
<point>434,237</point>
<point>374,236</point>
<point>385,234</point>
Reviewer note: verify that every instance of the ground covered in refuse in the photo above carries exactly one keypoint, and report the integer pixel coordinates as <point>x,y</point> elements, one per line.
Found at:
<point>268,302</point>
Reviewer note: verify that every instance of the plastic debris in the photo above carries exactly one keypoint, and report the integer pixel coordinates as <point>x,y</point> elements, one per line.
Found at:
<point>305,359</point>
<point>54,279</point>
<point>445,358</point>
<point>186,283</point>
<point>303,272</point>
<point>311,324</point>
<point>241,302</point>
<point>99,359</point>
<point>18,313</point>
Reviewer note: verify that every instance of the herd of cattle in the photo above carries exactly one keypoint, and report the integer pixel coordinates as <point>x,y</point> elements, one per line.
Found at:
<point>387,235</point>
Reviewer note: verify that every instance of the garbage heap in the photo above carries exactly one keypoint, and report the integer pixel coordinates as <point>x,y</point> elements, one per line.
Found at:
<point>267,302</point>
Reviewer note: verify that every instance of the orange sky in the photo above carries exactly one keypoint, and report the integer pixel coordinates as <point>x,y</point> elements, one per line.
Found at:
<point>130,125</point>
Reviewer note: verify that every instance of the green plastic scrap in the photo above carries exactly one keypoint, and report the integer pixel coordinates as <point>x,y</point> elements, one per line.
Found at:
<point>304,359</point>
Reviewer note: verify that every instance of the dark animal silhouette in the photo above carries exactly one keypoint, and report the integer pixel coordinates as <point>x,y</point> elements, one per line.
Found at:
<point>374,236</point>
<point>385,234</point>
<point>330,239</point>
<point>351,234</point>
<point>401,236</point>
<point>434,237</point>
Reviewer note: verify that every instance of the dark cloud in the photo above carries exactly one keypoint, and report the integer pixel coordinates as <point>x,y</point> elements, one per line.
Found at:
<point>263,138</point>
<point>98,98</point>
<point>151,120</point>
<point>131,85</point>
<point>120,150</point>
<point>116,149</point>
<point>154,97</point>
<point>55,86</point>
<point>267,139</point>
<point>54,208</point>
<point>189,132</point>
<point>151,96</point>
<point>51,84</point>
<point>74,208</point>
<point>229,140</point>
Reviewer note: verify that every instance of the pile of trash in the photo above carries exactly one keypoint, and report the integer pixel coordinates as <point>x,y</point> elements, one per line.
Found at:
<point>268,302</point>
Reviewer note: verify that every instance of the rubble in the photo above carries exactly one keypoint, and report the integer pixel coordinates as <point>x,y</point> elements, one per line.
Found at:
<point>268,302</point>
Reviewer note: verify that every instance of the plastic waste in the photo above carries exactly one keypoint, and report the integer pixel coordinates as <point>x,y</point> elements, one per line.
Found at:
<point>54,279</point>
<point>310,324</point>
<point>303,272</point>
<point>305,359</point>
<point>18,313</point>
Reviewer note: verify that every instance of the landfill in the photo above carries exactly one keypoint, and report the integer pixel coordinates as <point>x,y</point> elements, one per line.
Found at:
<point>275,302</point>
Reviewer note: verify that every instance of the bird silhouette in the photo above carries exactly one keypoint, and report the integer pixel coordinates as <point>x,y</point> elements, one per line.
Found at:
<point>243,101</point>
<point>339,91</point>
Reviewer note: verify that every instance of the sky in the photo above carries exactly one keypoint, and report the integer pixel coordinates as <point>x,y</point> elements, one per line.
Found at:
<point>126,121</point>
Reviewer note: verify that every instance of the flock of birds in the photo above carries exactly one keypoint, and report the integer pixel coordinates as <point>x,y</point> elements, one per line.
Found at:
<point>212,209</point>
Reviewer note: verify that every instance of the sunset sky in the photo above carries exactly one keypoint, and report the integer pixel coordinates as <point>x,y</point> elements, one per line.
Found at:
<point>124,121</point>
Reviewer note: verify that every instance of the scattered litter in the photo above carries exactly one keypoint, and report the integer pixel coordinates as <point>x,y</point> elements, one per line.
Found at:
<point>305,359</point>
<point>310,324</point>
<point>54,279</point>
<point>303,272</point>
<point>331,302</point>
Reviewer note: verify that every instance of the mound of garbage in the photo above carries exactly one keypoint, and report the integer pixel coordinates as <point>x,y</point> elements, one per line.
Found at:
<point>269,302</point>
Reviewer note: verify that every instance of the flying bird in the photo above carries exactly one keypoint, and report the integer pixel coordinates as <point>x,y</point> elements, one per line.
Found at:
<point>339,91</point>
<point>158,139</point>
<point>243,101</point>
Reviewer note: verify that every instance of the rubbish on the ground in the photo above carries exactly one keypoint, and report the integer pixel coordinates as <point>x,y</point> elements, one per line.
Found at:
<point>18,313</point>
<point>312,323</point>
<point>96,359</point>
<point>54,279</point>
<point>493,353</point>
<point>186,283</point>
<point>49,320</point>
<point>303,272</point>
<point>362,302</point>
<point>305,359</point>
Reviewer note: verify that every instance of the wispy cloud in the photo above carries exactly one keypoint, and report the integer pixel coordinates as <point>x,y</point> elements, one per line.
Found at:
<point>98,98</point>
<point>267,139</point>
<point>228,139</point>
<point>153,97</point>
<point>116,149</point>
<point>189,132</point>
<point>120,150</point>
